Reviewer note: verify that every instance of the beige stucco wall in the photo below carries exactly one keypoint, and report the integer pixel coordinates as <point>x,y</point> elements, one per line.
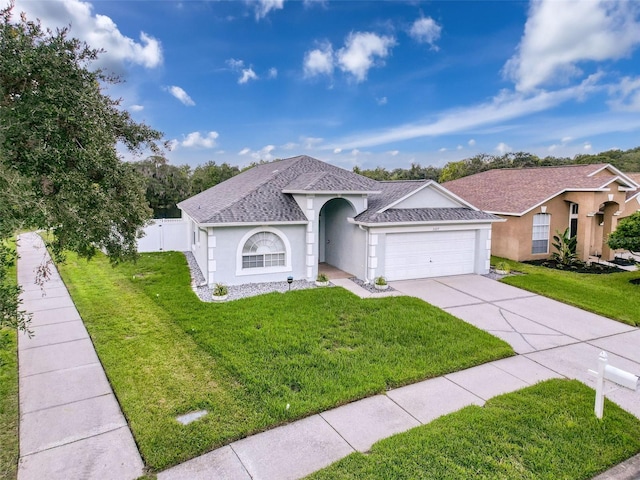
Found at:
<point>512,239</point>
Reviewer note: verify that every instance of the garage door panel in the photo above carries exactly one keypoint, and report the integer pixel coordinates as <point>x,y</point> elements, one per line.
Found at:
<point>429,254</point>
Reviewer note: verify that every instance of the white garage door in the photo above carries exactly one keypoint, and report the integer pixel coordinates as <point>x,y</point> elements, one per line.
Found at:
<point>429,254</point>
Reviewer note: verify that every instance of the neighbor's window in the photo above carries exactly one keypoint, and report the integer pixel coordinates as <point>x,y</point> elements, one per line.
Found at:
<point>540,243</point>
<point>264,249</point>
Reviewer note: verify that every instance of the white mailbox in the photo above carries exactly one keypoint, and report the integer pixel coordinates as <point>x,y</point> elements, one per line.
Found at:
<point>613,374</point>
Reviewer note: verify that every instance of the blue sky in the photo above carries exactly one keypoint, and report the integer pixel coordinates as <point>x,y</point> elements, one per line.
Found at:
<point>382,83</point>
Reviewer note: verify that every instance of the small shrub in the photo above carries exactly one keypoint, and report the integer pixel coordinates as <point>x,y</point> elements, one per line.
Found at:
<point>503,267</point>
<point>220,290</point>
<point>322,278</point>
<point>380,281</point>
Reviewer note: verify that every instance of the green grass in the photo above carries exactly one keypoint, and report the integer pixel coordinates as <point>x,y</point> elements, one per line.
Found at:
<point>166,353</point>
<point>547,431</point>
<point>9,399</point>
<point>610,295</point>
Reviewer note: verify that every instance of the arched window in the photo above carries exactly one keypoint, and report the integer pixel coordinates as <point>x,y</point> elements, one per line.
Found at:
<point>263,249</point>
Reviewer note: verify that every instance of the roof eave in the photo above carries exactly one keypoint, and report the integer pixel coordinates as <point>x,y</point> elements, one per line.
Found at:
<point>429,222</point>
<point>332,192</point>
<point>251,224</point>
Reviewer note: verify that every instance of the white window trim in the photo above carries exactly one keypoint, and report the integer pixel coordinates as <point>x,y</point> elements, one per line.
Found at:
<point>548,216</point>
<point>263,270</point>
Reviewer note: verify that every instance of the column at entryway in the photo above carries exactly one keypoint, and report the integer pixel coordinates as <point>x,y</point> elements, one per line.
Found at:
<point>372,260</point>
<point>310,241</point>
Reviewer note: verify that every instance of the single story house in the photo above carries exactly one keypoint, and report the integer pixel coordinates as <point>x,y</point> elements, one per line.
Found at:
<point>538,202</point>
<point>283,218</point>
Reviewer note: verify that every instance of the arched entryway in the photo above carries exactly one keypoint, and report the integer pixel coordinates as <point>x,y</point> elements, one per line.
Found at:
<point>607,219</point>
<point>340,242</point>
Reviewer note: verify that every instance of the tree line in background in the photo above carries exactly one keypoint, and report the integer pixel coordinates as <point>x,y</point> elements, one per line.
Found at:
<point>168,184</point>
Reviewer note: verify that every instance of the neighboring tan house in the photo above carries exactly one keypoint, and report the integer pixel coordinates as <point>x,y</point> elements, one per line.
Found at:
<point>632,202</point>
<point>538,202</point>
<point>283,218</point>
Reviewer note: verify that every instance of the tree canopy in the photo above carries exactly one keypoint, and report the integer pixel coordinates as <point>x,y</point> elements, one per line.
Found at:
<point>627,234</point>
<point>59,165</point>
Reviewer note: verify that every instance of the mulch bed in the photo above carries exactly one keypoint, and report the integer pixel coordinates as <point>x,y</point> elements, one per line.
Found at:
<point>578,267</point>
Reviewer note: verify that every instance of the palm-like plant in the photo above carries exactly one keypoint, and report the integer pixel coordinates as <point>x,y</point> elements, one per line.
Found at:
<point>566,248</point>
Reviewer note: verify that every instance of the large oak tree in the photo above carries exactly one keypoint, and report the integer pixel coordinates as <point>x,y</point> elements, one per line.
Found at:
<point>59,165</point>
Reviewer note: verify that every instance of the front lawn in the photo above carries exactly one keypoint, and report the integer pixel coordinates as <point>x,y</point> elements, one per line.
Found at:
<point>547,431</point>
<point>610,295</point>
<point>253,363</point>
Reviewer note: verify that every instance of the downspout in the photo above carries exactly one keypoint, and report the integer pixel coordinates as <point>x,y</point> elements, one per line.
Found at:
<point>366,253</point>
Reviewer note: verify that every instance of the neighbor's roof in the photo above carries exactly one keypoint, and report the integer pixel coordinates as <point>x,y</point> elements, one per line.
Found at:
<point>258,194</point>
<point>516,191</point>
<point>636,178</point>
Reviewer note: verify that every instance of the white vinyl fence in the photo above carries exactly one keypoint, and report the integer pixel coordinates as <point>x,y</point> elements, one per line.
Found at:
<point>165,234</point>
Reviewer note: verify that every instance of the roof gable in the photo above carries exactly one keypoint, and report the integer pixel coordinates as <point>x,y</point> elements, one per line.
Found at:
<point>517,191</point>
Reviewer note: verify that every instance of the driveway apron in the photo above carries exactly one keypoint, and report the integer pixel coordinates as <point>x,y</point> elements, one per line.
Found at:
<point>562,338</point>
<point>71,425</point>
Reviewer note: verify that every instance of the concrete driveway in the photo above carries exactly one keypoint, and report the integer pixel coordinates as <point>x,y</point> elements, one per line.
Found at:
<point>560,337</point>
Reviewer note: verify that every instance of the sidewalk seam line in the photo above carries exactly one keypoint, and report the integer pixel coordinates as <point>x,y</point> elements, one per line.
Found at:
<point>56,343</point>
<point>58,370</point>
<point>67,403</point>
<point>404,409</point>
<point>72,441</point>
<point>338,433</point>
<point>244,467</point>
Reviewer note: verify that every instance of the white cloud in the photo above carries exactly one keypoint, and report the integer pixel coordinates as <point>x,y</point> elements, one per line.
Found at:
<point>181,95</point>
<point>587,146</point>
<point>99,31</point>
<point>247,74</point>
<point>355,152</point>
<point>426,30</point>
<point>263,154</point>
<point>503,148</point>
<point>626,95</point>
<point>471,142</point>
<point>381,101</point>
<point>560,34</point>
<point>312,3</point>
<point>504,106</point>
<point>196,140</point>
<point>289,146</point>
<point>393,153</point>
<point>337,150</point>
<point>459,147</point>
<point>235,64</point>
<point>361,52</point>
<point>443,149</point>
<point>272,73</point>
<point>244,151</point>
<point>566,139</point>
<point>319,61</point>
<point>309,143</point>
<point>136,108</point>
<point>173,144</point>
<point>263,7</point>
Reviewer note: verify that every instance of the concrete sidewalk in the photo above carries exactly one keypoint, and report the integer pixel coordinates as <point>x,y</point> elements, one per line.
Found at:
<point>71,426</point>
<point>300,448</point>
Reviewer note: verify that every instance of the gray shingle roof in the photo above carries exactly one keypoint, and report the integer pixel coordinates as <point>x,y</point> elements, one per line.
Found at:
<point>256,195</point>
<point>402,215</point>
<point>343,182</point>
